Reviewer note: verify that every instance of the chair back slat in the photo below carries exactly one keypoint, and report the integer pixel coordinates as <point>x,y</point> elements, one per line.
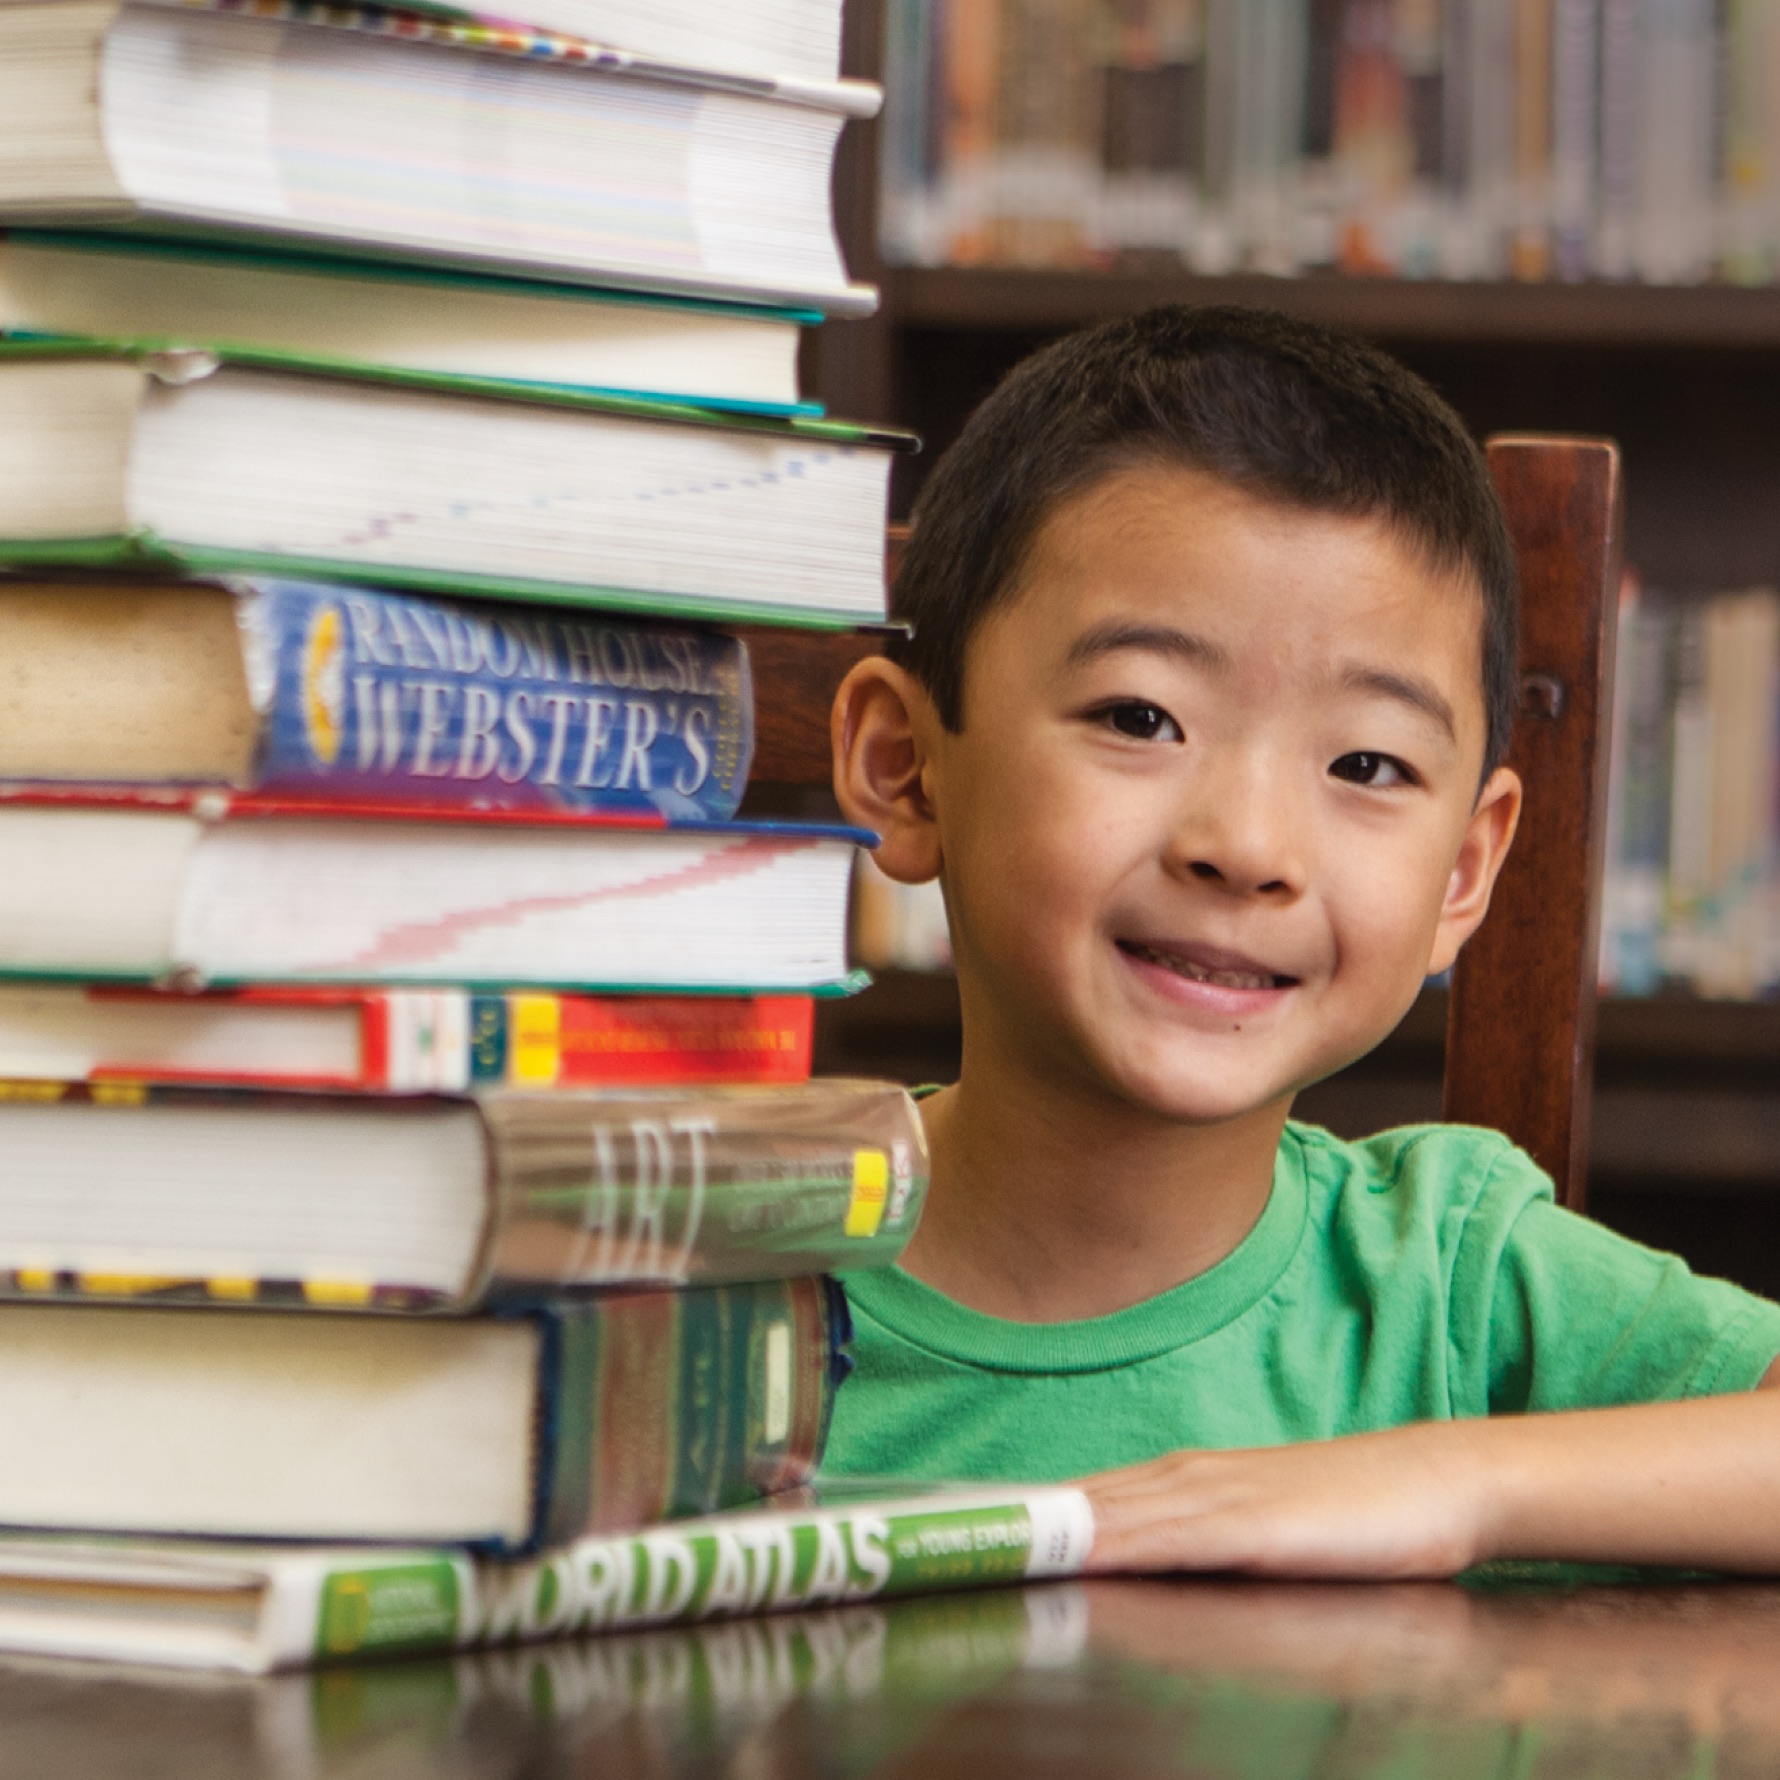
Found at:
<point>1521,1022</point>
<point>796,673</point>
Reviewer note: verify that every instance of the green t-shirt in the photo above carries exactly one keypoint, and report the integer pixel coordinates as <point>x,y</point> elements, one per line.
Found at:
<point>1420,1275</point>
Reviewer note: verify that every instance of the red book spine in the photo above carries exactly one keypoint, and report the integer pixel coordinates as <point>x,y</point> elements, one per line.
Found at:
<point>451,1040</point>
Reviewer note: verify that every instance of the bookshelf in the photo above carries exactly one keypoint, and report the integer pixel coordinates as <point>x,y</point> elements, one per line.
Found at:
<point>1588,316</point>
<point>1687,378</point>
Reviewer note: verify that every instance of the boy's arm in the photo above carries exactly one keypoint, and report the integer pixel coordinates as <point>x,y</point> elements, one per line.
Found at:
<point>1694,1483</point>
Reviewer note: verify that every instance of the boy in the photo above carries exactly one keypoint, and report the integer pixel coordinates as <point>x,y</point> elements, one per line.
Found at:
<point>1202,726</point>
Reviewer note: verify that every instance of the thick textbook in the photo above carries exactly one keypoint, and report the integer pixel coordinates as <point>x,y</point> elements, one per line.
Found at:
<point>755,39</point>
<point>258,1609</point>
<point>122,457</point>
<point>115,1190</point>
<point>202,888</point>
<point>356,313</point>
<point>401,1041</point>
<point>310,690</point>
<point>515,151</point>
<point>499,1432</point>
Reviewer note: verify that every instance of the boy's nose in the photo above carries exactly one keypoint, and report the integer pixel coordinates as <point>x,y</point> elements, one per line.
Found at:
<point>1240,835</point>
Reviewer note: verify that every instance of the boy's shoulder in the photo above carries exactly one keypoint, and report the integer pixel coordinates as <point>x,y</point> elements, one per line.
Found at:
<point>1457,1198</point>
<point>1457,1167</point>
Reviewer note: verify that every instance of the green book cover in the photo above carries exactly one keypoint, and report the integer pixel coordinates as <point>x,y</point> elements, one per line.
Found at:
<point>141,549</point>
<point>184,363</point>
<point>252,1609</point>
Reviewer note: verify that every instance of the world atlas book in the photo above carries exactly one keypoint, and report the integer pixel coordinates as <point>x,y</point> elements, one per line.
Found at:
<point>256,1609</point>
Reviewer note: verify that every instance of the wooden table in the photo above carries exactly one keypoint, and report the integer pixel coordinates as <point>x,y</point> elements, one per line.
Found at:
<point>1240,1680</point>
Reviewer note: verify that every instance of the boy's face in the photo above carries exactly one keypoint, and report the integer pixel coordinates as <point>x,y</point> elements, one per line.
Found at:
<point>1214,811</point>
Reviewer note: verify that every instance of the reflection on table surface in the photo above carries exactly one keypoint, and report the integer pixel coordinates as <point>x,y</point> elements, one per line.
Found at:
<point>1522,1678</point>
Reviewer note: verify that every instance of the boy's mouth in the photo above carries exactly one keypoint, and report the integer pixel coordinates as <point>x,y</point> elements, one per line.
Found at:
<point>1223,970</point>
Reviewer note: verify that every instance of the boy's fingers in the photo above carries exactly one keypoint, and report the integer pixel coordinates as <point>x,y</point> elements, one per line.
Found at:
<point>1174,1542</point>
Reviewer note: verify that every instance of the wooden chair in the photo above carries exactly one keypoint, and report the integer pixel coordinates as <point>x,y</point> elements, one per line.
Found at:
<point>1521,1017</point>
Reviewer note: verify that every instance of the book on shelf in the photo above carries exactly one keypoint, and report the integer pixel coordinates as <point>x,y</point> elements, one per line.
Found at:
<point>191,463</point>
<point>503,1432</point>
<point>355,313</point>
<point>120,1191</point>
<point>204,889</point>
<point>898,926</point>
<point>312,690</point>
<point>1692,887</point>
<point>1476,139</point>
<point>258,1609</point>
<point>275,124</point>
<point>400,1041</point>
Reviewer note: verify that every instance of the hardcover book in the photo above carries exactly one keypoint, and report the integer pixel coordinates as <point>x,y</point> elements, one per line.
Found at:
<point>401,1041</point>
<point>760,40</point>
<point>276,124</point>
<point>344,693</point>
<point>119,1191</point>
<point>498,1432</point>
<point>204,889</point>
<point>357,314</point>
<point>254,1609</point>
<point>196,464</point>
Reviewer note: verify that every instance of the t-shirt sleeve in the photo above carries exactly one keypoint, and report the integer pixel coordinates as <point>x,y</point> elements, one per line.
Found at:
<point>1551,1310</point>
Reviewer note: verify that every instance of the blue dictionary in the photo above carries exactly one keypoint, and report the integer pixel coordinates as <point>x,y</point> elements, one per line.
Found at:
<point>380,696</point>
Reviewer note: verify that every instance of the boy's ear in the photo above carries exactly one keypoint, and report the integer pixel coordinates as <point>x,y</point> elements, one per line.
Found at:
<point>882,727</point>
<point>1488,835</point>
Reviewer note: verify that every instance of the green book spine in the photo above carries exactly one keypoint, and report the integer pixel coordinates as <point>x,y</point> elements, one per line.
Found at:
<point>759,1561</point>
<point>668,1404</point>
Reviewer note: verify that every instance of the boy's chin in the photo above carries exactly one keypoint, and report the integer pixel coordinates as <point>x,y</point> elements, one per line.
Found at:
<point>1186,1096</point>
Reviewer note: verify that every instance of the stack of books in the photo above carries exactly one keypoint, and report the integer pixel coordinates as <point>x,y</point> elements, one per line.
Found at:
<point>406,1130</point>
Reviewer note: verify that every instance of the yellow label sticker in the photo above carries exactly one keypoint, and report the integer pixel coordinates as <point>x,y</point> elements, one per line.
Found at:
<point>125,1285</point>
<point>115,1093</point>
<point>871,1187</point>
<point>535,1059</point>
<point>776,1413</point>
<point>234,1290</point>
<point>339,1292</point>
<point>35,1279</point>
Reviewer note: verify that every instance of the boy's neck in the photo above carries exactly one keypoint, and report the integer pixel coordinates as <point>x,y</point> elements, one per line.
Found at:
<point>1051,1202</point>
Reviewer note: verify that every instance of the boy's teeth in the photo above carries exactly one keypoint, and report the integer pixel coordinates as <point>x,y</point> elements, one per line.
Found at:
<point>1224,979</point>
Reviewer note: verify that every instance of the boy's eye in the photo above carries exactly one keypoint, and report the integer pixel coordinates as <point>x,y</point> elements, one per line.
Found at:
<point>1371,769</point>
<point>1142,722</point>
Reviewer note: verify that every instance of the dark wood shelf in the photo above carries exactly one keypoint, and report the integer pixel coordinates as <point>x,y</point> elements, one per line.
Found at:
<point>1007,300</point>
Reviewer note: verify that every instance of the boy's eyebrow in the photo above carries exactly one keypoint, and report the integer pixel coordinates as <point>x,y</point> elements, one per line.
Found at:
<point>1164,639</point>
<point>1159,639</point>
<point>1405,689</point>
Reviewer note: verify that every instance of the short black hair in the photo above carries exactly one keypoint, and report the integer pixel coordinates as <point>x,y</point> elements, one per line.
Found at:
<point>1290,411</point>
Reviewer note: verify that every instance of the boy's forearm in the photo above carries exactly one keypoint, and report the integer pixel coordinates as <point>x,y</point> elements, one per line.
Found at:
<point>1695,1484</point>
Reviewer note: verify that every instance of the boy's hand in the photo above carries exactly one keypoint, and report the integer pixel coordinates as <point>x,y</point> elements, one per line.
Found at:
<point>1402,1503</point>
<point>1695,1484</point>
